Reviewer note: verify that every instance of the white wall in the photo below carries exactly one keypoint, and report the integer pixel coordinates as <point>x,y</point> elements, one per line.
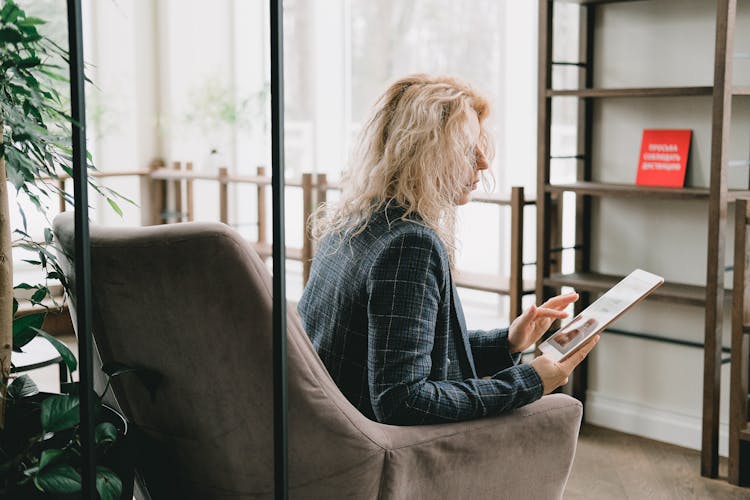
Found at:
<point>649,388</point>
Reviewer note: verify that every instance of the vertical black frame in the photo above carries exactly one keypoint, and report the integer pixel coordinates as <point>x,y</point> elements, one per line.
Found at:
<point>279,252</point>
<point>83,256</point>
<point>82,250</point>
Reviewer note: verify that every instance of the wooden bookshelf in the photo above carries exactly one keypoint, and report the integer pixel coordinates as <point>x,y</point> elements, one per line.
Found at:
<point>716,195</point>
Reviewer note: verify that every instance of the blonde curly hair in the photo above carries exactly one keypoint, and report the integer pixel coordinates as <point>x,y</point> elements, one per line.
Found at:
<point>414,151</point>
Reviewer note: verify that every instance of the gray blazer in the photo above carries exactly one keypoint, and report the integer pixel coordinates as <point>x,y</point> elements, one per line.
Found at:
<point>382,311</point>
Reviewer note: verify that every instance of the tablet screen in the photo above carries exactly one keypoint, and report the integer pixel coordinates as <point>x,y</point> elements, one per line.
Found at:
<point>603,311</point>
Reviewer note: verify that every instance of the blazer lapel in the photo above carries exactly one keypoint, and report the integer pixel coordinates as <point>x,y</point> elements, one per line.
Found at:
<point>459,312</point>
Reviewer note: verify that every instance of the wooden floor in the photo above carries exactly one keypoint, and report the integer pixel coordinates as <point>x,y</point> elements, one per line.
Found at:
<point>611,465</point>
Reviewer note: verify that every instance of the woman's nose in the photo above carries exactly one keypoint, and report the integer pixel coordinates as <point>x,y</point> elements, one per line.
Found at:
<point>481,163</point>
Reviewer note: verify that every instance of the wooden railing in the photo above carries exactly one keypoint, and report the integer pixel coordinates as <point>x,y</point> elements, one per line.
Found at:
<point>159,180</point>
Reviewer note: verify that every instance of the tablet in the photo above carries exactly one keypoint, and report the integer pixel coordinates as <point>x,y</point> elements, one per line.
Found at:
<point>635,287</point>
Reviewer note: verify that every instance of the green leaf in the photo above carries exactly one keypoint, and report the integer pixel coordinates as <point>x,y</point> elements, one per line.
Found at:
<point>10,12</point>
<point>24,286</point>
<point>29,62</point>
<point>115,206</point>
<point>40,294</point>
<point>15,306</point>
<point>105,433</point>
<point>32,35</point>
<point>53,75</point>
<point>65,353</point>
<point>49,456</point>
<point>59,479</point>
<point>23,218</point>
<point>22,387</point>
<point>31,471</point>
<point>36,202</point>
<point>14,176</point>
<point>20,339</point>
<point>25,327</point>
<point>32,21</point>
<point>31,248</point>
<point>48,235</point>
<point>9,35</point>
<point>108,484</point>
<point>60,412</point>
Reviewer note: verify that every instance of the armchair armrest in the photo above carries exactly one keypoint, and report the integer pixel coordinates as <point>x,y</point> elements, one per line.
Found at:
<point>526,453</point>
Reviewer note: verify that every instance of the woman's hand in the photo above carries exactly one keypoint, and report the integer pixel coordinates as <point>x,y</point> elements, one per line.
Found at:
<point>555,373</point>
<point>531,325</point>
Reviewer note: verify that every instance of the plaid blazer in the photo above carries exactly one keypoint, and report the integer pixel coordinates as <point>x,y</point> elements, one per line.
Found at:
<point>382,312</point>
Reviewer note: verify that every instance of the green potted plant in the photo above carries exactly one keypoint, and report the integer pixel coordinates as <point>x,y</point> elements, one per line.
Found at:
<point>39,440</point>
<point>41,446</point>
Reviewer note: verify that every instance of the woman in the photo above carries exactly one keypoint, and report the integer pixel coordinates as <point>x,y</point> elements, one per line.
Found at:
<point>381,307</point>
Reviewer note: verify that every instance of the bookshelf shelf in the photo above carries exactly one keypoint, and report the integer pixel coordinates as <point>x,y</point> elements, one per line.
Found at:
<point>633,92</point>
<point>606,189</point>
<point>677,293</point>
<point>596,2</point>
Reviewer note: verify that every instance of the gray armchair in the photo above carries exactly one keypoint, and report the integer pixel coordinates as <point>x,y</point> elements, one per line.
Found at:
<point>193,302</point>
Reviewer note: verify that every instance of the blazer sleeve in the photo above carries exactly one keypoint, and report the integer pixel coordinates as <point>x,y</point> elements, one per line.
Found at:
<point>491,352</point>
<point>404,287</point>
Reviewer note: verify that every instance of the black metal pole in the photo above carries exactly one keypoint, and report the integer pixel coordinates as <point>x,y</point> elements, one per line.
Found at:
<point>279,254</point>
<point>82,253</point>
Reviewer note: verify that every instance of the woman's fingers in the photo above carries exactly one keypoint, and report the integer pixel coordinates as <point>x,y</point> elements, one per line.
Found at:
<point>546,312</point>
<point>578,356</point>
<point>553,308</point>
<point>561,301</point>
<point>527,316</point>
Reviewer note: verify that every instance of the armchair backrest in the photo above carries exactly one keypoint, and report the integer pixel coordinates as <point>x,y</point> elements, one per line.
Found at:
<point>193,302</point>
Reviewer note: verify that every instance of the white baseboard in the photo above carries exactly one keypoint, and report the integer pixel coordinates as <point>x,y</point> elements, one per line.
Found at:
<point>654,423</point>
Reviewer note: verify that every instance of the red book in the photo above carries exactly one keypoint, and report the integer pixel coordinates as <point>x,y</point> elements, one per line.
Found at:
<point>663,159</point>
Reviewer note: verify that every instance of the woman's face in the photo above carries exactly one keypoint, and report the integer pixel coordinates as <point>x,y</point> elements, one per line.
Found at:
<point>480,163</point>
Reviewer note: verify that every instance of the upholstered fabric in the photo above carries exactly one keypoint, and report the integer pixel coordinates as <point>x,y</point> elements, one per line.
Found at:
<point>193,302</point>
<point>384,315</point>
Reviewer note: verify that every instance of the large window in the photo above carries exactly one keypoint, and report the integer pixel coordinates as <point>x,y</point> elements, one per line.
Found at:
<point>165,89</point>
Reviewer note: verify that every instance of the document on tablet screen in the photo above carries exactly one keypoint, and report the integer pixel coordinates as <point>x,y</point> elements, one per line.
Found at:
<point>606,309</point>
